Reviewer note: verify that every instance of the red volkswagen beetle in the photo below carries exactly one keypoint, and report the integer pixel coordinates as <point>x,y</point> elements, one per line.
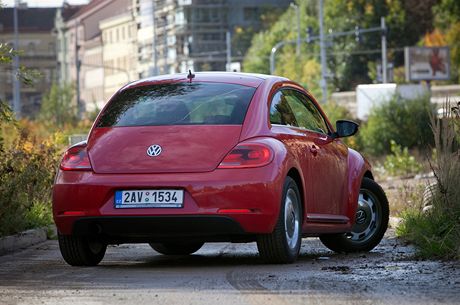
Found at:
<point>179,160</point>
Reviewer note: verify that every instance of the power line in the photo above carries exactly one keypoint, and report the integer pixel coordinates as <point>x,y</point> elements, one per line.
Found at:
<point>357,52</point>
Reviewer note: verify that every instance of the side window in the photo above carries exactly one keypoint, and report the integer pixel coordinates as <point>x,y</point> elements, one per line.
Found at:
<point>307,115</point>
<point>303,116</point>
<point>318,120</point>
<point>280,110</point>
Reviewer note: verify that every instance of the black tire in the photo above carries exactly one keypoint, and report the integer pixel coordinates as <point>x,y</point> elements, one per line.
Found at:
<point>81,251</point>
<point>176,248</point>
<point>370,225</point>
<point>282,246</point>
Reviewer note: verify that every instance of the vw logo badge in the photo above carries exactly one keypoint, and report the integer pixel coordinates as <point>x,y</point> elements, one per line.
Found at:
<point>360,217</point>
<point>154,150</point>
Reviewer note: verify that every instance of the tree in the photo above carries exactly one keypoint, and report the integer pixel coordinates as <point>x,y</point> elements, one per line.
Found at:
<point>26,76</point>
<point>350,62</point>
<point>57,108</point>
<point>285,28</point>
<point>6,57</point>
<point>448,20</point>
<point>242,36</point>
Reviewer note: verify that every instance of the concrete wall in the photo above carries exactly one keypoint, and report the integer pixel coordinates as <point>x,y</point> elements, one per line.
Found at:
<point>439,95</point>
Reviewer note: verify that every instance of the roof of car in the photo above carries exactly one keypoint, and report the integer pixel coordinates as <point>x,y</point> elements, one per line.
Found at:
<point>247,79</point>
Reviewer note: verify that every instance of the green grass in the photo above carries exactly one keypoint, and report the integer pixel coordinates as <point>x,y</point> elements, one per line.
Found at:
<point>436,234</point>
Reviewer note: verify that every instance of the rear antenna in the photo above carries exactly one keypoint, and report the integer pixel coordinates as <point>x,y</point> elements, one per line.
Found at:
<point>190,75</point>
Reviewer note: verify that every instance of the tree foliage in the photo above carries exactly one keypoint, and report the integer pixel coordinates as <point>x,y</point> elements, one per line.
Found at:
<point>349,62</point>
<point>448,20</point>
<point>57,108</point>
<point>242,36</point>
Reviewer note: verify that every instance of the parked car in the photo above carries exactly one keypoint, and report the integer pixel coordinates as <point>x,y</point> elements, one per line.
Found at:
<point>179,160</point>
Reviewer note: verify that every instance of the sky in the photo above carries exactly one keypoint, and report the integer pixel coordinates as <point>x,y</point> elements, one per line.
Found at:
<point>44,3</point>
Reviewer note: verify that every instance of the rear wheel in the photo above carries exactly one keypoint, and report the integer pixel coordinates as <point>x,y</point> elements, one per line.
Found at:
<point>176,248</point>
<point>81,251</point>
<point>370,224</point>
<point>283,244</point>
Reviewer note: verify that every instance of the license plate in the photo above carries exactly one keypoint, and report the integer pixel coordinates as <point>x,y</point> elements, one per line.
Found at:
<point>149,199</point>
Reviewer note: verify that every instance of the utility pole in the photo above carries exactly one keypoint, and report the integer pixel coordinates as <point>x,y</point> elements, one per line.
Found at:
<point>384,51</point>
<point>154,41</point>
<point>16,84</point>
<point>297,11</point>
<point>165,50</point>
<point>78,66</point>
<point>229,51</point>
<point>322,42</point>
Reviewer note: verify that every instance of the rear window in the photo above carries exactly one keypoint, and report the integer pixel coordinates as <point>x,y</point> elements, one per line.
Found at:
<point>179,104</point>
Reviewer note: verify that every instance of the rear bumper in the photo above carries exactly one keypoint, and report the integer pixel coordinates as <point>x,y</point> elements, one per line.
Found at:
<point>82,198</point>
<point>160,228</point>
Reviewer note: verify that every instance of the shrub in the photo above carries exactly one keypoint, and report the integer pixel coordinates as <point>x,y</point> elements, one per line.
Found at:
<point>27,170</point>
<point>404,121</point>
<point>437,232</point>
<point>400,162</point>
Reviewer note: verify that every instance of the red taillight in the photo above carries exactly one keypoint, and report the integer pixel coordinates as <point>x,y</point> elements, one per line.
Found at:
<point>247,155</point>
<point>76,158</point>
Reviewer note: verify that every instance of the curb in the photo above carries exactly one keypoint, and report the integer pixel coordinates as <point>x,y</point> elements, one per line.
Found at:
<point>25,239</point>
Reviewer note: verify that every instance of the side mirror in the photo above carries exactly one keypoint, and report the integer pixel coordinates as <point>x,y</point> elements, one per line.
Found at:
<point>345,128</point>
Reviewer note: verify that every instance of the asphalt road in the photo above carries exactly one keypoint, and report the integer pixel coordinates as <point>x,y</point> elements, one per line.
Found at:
<point>221,274</point>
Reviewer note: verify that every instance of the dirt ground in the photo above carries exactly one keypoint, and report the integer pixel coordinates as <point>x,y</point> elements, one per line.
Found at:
<point>403,193</point>
<point>224,273</point>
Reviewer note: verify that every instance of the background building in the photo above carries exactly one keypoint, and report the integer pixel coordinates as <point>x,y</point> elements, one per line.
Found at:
<point>98,47</point>
<point>83,41</point>
<point>38,48</point>
<point>119,52</point>
<point>177,35</point>
<point>117,41</point>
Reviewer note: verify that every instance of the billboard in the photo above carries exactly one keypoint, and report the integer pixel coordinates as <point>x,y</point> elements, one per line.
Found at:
<point>427,63</point>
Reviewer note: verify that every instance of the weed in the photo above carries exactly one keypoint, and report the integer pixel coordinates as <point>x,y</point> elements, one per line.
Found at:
<point>400,162</point>
<point>437,231</point>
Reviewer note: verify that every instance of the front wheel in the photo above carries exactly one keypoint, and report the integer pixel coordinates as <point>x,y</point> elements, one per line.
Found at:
<point>176,248</point>
<point>283,244</point>
<point>81,251</point>
<point>371,222</point>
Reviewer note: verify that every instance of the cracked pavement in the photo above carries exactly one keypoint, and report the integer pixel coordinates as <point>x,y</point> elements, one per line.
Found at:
<point>225,273</point>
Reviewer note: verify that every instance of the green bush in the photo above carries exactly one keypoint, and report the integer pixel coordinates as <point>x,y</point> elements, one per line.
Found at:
<point>404,121</point>
<point>27,165</point>
<point>27,170</point>
<point>400,162</point>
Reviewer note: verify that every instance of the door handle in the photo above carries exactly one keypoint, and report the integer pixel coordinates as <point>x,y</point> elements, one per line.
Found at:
<point>314,150</point>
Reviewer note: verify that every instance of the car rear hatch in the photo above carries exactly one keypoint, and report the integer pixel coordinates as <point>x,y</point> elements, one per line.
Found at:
<point>187,127</point>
